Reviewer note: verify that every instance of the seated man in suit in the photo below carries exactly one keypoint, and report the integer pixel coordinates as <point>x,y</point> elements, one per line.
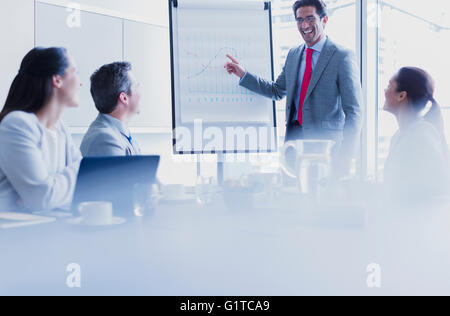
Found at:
<point>116,95</point>
<point>322,84</point>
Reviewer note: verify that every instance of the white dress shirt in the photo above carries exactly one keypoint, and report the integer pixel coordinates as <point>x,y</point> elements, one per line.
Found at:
<point>318,47</point>
<point>53,151</point>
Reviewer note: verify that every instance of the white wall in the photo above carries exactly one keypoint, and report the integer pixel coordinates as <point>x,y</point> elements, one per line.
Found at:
<point>17,27</point>
<point>101,39</point>
<point>149,11</point>
<point>17,34</point>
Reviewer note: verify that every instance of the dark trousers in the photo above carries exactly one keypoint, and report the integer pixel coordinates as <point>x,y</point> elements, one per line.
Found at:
<point>294,131</point>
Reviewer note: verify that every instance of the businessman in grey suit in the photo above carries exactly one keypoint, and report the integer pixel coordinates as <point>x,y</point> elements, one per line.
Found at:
<point>322,84</point>
<point>116,96</point>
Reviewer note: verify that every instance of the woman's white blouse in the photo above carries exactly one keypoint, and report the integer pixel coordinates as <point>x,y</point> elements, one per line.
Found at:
<point>418,164</point>
<point>54,151</point>
<point>38,167</point>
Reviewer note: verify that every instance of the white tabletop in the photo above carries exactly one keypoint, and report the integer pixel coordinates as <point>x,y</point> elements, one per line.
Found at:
<point>186,249</point>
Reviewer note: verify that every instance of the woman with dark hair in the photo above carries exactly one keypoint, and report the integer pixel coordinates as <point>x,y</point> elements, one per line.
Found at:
<point>417,166</point>
<point>38,160</point>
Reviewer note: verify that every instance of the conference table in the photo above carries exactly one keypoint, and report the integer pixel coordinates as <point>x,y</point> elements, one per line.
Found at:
<point>286,247</point>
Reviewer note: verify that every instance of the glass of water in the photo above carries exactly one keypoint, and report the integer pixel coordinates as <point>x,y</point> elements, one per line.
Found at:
<point>205,190</point>
<point>145,199</point>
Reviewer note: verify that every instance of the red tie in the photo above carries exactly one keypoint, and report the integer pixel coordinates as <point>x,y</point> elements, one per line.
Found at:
<point>305,84</point>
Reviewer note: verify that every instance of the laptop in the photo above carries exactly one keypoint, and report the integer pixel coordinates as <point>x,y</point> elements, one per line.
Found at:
<point>112,179</point>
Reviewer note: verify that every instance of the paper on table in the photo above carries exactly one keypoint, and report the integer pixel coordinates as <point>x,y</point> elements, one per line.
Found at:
<point>58,214</point>
<point>15,220</point>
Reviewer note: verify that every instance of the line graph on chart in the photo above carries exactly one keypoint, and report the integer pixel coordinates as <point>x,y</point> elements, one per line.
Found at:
<point>204,74</point>
<point>203,89</point>
<point>212,64</point>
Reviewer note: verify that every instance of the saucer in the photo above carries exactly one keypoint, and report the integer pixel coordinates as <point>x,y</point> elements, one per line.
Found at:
<point>183,198</point>
<point>79,222</point>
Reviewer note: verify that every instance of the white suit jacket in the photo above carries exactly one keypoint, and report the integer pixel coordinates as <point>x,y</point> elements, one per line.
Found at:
<point>24,172</point>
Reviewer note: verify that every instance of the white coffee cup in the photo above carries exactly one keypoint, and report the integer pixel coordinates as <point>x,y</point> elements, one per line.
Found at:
<point>174,192</point>
<point>96,213</point>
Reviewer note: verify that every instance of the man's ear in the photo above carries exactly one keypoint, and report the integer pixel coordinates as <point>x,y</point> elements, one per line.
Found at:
<point>57,81</point>
<point>325,21</point>
<point>123,98</point>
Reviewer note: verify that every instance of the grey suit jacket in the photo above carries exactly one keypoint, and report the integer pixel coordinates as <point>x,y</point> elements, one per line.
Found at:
<point>333,104</point>
<point>107,137</point>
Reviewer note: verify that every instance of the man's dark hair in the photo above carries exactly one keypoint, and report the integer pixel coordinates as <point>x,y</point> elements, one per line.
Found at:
<point>107,83</point>
<point>320,6</point>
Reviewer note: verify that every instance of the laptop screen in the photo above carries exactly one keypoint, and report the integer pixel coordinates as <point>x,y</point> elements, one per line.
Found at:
<point>112,179</point>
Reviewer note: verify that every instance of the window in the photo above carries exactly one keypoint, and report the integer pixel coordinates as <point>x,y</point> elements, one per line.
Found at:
<point>410,33</point>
